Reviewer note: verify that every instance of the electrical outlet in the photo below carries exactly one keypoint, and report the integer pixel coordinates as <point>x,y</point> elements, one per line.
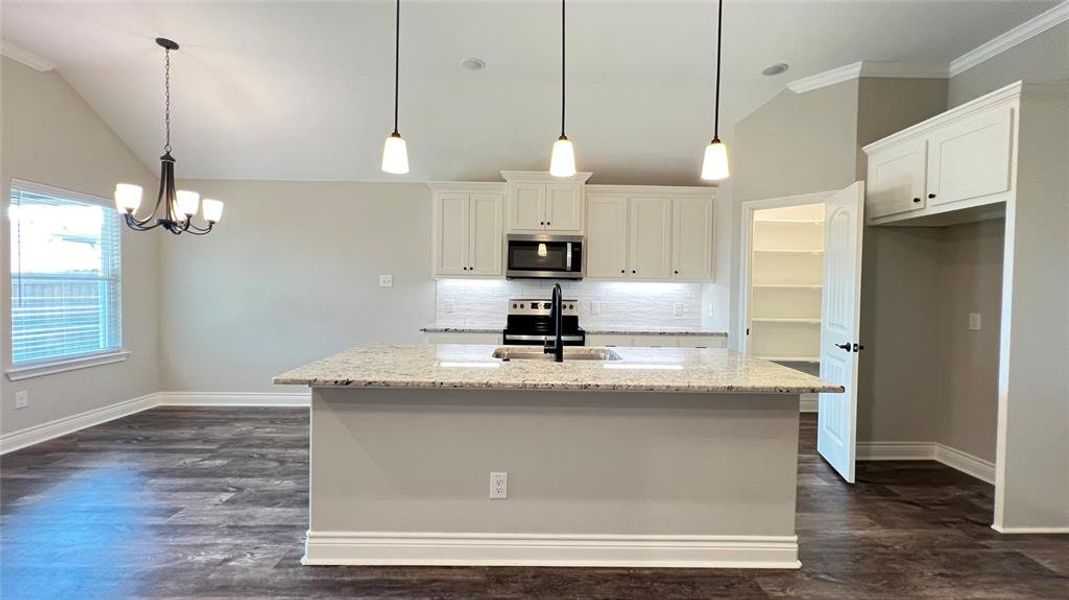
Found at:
<point>450,307</point>
<point>385,280</point>
<point>22,399</point>
<point>499,486</point>
<point>595,308</point>
<point>974,321</point>
<point>677,309</point>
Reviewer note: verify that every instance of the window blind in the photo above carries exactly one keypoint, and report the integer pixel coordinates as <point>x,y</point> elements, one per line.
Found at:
<point>66,280</point>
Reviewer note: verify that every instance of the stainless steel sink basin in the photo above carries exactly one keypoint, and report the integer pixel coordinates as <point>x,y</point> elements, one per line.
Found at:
<point>570,353</point>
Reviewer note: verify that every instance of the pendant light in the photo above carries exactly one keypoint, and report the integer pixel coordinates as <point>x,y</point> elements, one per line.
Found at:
<point>715,165</point>
<point>174,210</point>
<point>395,151</point>
<point>562,160</point>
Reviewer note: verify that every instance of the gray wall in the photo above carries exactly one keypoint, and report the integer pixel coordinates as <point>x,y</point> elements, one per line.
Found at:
<point>51,136</point>
<point>793,144</point>
<point>290,276</point>
<point>1042,59</point>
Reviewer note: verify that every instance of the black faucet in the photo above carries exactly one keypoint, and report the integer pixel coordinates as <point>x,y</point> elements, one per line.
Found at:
<point>556,314</point>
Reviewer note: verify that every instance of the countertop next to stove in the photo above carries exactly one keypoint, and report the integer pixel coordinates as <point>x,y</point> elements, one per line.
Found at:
<point>455,327</point>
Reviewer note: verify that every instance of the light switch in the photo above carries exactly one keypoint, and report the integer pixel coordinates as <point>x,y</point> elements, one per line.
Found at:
<point>974,321</point>
<point>385,280</point>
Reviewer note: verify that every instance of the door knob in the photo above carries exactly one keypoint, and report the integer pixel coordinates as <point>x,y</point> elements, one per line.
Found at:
<point>845,346</point>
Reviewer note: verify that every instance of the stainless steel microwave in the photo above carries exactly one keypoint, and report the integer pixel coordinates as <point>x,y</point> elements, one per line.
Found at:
<point>544,256</point>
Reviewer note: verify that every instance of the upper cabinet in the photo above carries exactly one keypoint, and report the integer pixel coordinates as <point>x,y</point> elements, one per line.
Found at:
<point>656,233</point>
<point>538,201</point>
<point>468,237</point>
<point>961,159</point>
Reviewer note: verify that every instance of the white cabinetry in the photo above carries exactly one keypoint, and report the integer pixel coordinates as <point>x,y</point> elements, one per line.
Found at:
<point>540,202</point>
<point>649,233</point>
<point>468,237</point>
<point>961,159</point>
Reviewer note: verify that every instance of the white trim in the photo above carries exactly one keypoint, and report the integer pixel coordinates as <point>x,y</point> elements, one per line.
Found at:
<point>542,177</point>
<point>866,68</point>
<point>24,56</point>
<point>234,399</point>
<point>52,367</point>
<point>51,190</point>
<point>53,429</point>
<point>561,550</point>
<point>972,465</point>
<point>711,191</point>
<point>1032,530</point>
<point>809,403</point>
<point>1019,34</point>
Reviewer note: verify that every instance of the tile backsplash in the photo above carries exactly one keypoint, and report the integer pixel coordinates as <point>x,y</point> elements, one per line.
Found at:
<point>601,303</point>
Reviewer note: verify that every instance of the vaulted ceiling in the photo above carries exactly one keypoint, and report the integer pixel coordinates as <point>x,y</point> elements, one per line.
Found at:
<point>303,90</point>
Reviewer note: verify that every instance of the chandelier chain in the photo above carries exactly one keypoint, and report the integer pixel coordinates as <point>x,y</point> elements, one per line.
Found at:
<point>167,98</point>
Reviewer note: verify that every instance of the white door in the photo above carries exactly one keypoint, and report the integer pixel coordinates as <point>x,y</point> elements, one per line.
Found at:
<point>606,240</point>
<point>528,206</point>
<point>564,210</point>
<point>896,179</point>
<point>452,234</point>
<point>839,330</point>
<point>650,250</point>
<point>484,234</point>
<point>692,239</point>
<point>971,159</point>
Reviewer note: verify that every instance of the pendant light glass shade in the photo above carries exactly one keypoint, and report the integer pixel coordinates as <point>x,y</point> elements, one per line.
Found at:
<point>562,161</point>
<point>213,210</point>
<point>395,155</point>
<point>715,165</point>
<point>186,203</point>
<point>127,197</point>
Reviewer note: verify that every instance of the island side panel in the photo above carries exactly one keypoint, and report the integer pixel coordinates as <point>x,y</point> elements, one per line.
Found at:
<point>406,467</point>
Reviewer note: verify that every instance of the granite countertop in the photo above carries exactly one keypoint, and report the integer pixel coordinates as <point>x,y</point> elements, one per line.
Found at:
<point>449,327</point>
<point>457,366</point>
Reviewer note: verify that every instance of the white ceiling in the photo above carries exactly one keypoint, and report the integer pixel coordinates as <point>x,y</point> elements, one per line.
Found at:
<point>303,90</point>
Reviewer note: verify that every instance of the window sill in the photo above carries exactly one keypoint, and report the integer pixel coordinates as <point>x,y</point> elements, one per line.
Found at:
<point>61,366</point>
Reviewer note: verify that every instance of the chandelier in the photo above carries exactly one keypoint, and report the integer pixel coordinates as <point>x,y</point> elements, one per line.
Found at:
<point>174,210</point>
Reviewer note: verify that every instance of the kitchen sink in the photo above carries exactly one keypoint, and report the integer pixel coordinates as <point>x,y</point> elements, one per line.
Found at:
<point>570,353</point>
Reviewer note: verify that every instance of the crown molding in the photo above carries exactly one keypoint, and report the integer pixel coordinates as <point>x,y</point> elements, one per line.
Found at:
<point>867,68</point>
<point>1025,31</point>
<point>25,57</point>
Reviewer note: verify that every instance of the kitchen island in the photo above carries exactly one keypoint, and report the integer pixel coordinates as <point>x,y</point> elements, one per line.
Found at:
<point>664,457</point>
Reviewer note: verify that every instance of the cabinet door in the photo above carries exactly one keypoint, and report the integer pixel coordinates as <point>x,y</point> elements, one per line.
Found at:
<point>606,240</point>
<point>484,234</point>
<point>656,341</point>
<point>649,250</point>
<point>528,206</point>
<point>564,207</point>
<point>692,238</point>
<point>452,234</point>
<point>619,341</point>
<point>971,158</point>
<point>896,179</point>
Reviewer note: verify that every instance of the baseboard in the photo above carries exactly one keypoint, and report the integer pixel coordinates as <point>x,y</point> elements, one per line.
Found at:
<point>561,550</point>
<point>234,399</point>
<point>809,403</point>
<point>969,464</point>
<point>1031,530</point>
<point>39,433</point>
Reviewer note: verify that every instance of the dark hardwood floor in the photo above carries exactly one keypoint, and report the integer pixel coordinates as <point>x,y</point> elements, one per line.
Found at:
<point>211,502</point>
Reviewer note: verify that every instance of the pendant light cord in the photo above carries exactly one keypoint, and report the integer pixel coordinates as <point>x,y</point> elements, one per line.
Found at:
<point>396,63</point>
<point>562,63</point>
<point>167,98</point>
<point>719,38</point>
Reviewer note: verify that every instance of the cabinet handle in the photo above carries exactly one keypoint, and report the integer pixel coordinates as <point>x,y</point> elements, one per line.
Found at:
<point>541,222</point>
<point>623,271</point>
<point>677,272</point>
<point>548,223</point>
<point>916,199</point>
<point>634,271</point>
<point>931,195</point>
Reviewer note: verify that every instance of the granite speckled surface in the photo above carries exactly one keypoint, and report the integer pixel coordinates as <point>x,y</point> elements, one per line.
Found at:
<point>708,370</point>
<point>447,327</point>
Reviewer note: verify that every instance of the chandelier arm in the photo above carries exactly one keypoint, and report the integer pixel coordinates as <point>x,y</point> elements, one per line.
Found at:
<point>137,225</point>
<point>193,229</point>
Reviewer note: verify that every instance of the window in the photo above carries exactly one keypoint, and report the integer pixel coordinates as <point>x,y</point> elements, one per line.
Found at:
<point>66,297</point>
